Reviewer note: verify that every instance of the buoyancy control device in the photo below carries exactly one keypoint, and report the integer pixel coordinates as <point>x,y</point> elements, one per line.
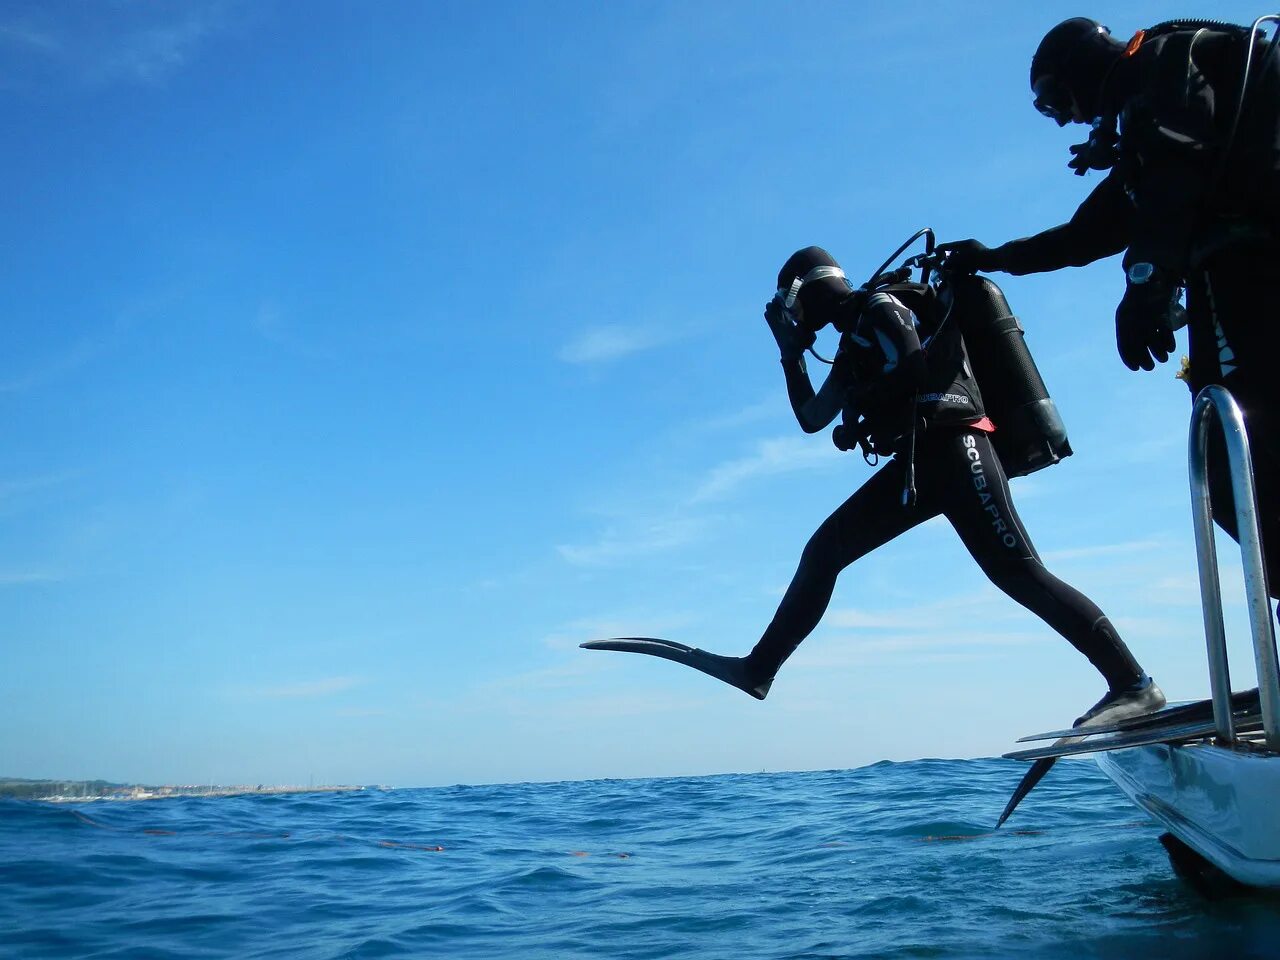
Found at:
<point>1029,434</point>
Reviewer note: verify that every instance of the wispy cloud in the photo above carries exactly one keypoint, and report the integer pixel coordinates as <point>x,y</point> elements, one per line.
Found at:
<point>1125,548</point>
<point>103,335</point>
<point>362,712</point>
<point>766,408</point>
<point>685,520</point>
<point>566,675</point>
<point>26,36</point>
<point>947,640</point>
<point>18,578</point>
<point>75,357</point>
<point>11,489</point>
<point>624,542</point>
<point>770,458</point>
<point>608,343</point>
<point>1155,449</point>
<point>571,634</point>
<point>939,616</point>
<point>276,325</point>
<point>304,688</point>
<point>104,44</point>
<point>152,52</point>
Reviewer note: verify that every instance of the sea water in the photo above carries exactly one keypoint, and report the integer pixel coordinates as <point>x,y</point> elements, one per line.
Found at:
<point>891,860</point>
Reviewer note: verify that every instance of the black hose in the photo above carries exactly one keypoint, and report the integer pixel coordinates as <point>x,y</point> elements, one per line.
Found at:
<point>1244,87</point>
<point>923,232</point>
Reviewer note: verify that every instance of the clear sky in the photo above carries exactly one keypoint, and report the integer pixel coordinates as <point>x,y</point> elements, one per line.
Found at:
<point>360,360</point>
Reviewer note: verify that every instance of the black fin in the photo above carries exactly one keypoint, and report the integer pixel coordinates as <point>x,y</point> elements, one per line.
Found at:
<point>1032,777</point>
<point>1243,702</point>
<point>1025,786</point>
<point>1166,733</point>
<point>731,670</point>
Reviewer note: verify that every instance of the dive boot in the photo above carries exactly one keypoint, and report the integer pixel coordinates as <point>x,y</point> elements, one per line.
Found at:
<point>1139,698</point>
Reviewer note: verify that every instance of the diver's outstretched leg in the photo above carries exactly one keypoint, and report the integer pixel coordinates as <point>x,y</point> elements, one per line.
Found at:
<point>873,516</point>
<point>982,512</point>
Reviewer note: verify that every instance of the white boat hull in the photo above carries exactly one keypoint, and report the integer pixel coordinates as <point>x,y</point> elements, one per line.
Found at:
<point>1222,803</point>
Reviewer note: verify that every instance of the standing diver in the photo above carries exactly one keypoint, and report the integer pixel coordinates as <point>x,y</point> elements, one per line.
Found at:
<point>904,386</point>
<point>1186,117</point>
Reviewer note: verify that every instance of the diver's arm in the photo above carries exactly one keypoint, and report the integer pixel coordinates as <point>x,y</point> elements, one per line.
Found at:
<point>1165,219</point>
<point>1100,228</point>
<point>814,411</point>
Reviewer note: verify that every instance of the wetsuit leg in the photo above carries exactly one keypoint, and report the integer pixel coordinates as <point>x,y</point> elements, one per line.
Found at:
<point>1235,334</point>
<point>963,473</point>
<point>873,516</point>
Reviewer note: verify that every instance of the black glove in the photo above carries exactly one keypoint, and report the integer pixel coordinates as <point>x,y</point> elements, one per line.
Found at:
<point>969,256</point>
<point>792,340</point>
<point>1099,152</point>
<point>1146,317</point>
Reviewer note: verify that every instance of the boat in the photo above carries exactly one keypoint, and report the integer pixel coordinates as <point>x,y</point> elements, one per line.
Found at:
<point>1208,772</point>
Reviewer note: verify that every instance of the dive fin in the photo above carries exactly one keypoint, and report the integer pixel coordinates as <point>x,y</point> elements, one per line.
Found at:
<point>1030,779</point>
<point>731,670</point>
<point>1245,701</point>
<point>1186,721</point>
<point>1166,733</point>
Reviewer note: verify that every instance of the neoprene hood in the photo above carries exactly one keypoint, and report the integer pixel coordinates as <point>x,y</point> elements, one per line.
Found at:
<point>822,286</point>
<point>1071,63</point>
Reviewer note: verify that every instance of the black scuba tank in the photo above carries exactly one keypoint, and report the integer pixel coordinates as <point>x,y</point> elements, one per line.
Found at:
<point>1029,431</point>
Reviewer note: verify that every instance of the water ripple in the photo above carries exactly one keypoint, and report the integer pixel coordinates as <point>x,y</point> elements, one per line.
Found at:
<point>892,860</point>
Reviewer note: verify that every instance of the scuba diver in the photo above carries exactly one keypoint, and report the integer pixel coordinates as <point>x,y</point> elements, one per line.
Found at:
<point>1186,119</point>
<point>904,387</point>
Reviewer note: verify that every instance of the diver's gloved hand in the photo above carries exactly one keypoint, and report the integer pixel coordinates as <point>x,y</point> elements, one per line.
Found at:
<point>969,256</point>
<point>1090,156</point>
<point>1080,163</point>
<point>1147,317</point>
<point>1100,152</point>
<point>792,339</point>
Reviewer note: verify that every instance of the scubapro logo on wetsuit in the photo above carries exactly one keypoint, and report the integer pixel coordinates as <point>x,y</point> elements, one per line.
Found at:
<point>948,397</point>
<point>980,484</point>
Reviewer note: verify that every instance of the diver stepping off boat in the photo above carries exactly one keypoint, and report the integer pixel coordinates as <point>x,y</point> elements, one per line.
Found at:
<point>904,387</point>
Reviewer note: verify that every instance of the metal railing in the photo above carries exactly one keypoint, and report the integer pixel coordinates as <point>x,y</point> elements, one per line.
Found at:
<point>1214,404</point>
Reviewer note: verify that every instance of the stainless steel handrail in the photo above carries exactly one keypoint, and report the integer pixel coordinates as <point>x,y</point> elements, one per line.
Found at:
<point>1216,403</point>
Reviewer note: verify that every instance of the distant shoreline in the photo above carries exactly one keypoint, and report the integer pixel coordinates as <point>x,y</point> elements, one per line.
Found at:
<point>78,791</point>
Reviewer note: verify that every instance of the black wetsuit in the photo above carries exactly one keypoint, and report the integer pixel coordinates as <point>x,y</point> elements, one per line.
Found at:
<point>882,373</point>
<point>1174,199</point>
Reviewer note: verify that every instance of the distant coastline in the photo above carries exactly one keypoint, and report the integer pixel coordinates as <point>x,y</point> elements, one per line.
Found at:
<point>65,791</point>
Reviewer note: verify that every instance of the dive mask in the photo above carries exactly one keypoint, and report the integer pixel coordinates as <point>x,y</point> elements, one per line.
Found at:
<point>1054,100</point>
<point>789,297</point>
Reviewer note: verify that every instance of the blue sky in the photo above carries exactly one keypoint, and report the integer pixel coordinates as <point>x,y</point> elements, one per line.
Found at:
<point>358,364</point>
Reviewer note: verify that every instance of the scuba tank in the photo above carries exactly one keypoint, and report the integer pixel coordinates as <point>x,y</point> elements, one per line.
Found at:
<point>1029,431</point>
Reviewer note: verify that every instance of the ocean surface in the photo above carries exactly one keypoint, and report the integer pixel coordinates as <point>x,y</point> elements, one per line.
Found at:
<point>891,860</point>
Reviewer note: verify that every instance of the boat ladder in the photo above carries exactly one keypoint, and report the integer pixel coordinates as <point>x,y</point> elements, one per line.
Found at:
<point>1214,406</point>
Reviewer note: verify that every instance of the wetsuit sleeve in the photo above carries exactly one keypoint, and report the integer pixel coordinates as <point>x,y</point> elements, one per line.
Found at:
<point>1099,228</point>
<point>1172,140</point>
<point>1168,202</point>
<point>815,410</point>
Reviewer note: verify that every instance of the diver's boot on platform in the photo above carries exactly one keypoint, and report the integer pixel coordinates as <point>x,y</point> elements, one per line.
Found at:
<point>1139,698</point>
